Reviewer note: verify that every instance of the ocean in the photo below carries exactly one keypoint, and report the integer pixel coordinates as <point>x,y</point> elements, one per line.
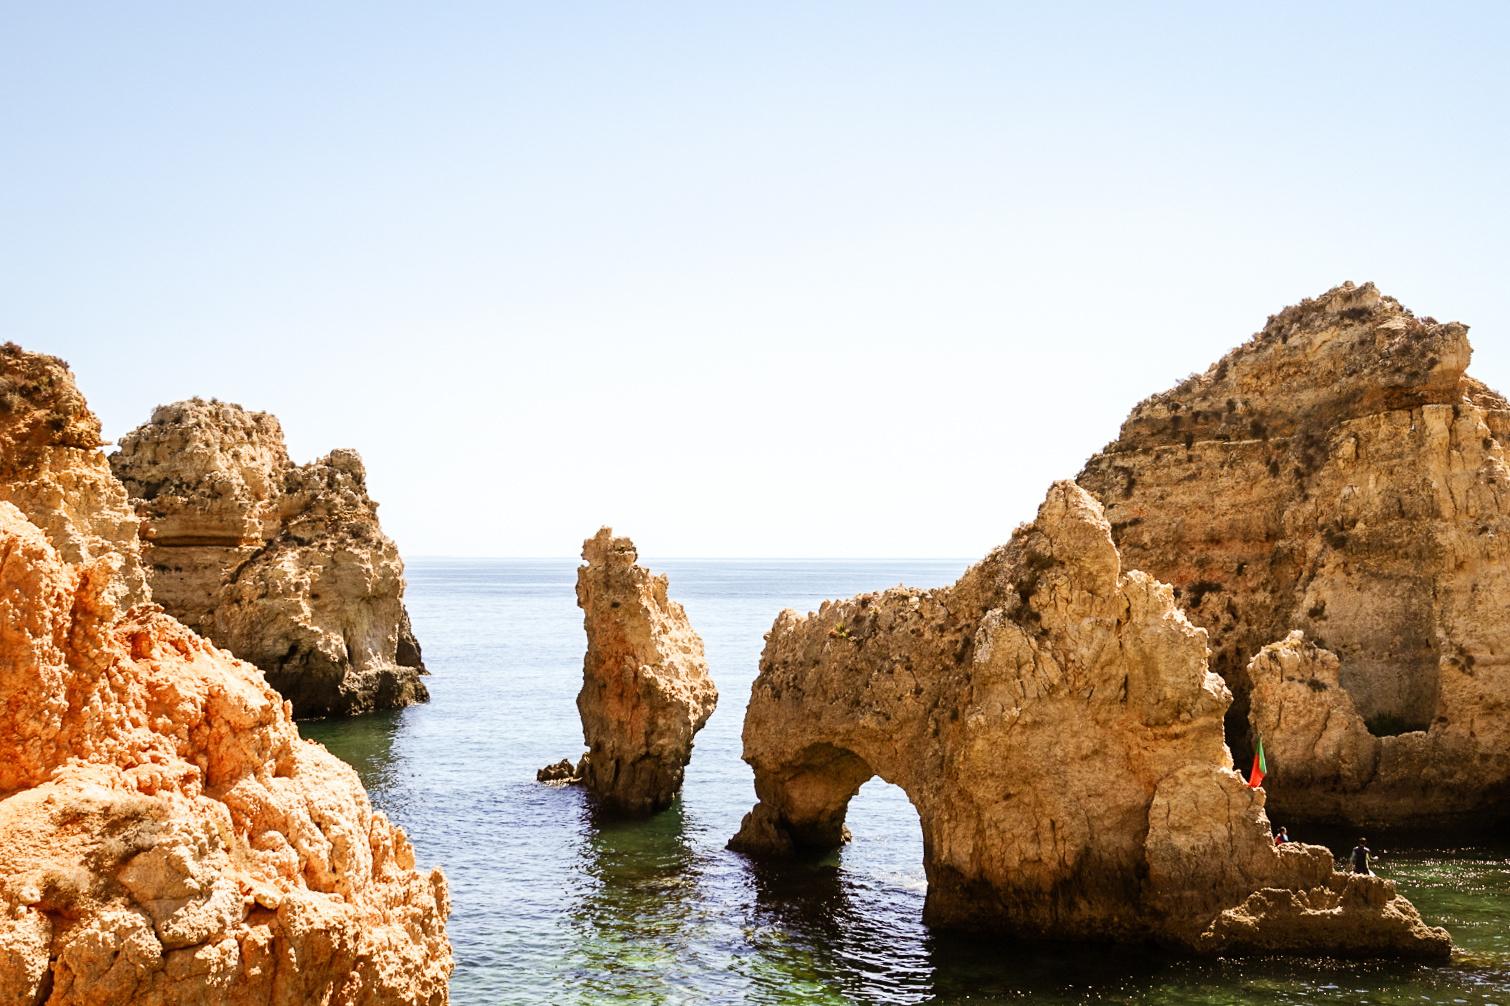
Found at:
<point>551,905</point>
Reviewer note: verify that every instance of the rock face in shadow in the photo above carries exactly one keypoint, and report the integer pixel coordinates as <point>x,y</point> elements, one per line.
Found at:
<point>165,835</point>
<point>285,565</point>
<point>645,684</point>
<point>1340,474</point>
<point>1053,721</point>
<point>52,469</point>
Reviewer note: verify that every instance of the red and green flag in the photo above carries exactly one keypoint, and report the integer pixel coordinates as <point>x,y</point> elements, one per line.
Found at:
<point>1260,767</point>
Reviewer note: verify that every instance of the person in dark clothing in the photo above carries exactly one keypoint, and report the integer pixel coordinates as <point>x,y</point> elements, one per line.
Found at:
<point>1282,837</point>
<point>1360,857</point>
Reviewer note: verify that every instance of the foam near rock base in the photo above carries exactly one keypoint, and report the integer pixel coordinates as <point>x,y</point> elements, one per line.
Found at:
<point>1053,721</point>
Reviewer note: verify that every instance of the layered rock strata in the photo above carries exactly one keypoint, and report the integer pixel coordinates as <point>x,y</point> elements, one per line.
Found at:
<point>52,469</point>
<point>165,834</point>
<point>1053,720</point>
<point>645,684</point>
<point>1339,474</point>
<point>285,565</point>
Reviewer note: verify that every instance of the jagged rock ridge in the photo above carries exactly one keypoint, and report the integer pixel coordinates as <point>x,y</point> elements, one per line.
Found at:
<point>165,834</point>
<point>1053,721</point>
<point>645,685</point>
<point>1340,474</point>
<point>52,469</point>
<point>285,565</point>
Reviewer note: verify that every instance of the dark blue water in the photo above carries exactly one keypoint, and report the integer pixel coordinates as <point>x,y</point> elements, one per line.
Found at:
<point>552,906</point>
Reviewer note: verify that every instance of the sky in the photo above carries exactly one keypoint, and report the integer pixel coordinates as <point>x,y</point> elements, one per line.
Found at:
<point>806,279</point>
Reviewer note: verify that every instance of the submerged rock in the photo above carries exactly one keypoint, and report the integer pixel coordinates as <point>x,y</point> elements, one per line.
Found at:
<point>165,834</point>
<point>285,565</point>
<point>645,684</point>
<point>563,772</point>
<point>1339,474</point>
<point>1054,723</point>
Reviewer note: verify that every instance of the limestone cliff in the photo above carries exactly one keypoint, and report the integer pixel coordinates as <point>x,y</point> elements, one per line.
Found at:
<point>645,684</point>
<point>285,565</point>
<point>52,469</point>
<point>1053,721</point>
<point>1340,474</point>
<point>165,834</point>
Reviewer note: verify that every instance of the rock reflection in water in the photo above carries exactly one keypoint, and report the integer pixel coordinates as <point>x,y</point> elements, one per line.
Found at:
<point>822,932</point>
<point>550,906</point>
<point>635,905</point>
<point>363,742</point>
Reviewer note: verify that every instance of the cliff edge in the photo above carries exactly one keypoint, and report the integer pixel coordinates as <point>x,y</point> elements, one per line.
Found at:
<point>165,834</point>
<point>1339,475</point>
<point>1053,720</point>
<point>284,565</point>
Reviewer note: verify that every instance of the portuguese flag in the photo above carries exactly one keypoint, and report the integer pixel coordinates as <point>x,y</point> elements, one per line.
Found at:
<point>1260,767</point>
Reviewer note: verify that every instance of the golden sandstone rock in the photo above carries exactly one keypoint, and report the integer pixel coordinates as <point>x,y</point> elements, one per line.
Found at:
<point>1053,721</point>
<point>52,469</point>
<point>645,684</point>
<point>284,565</point>
<point>1339,475</point>
<point>165,834</point>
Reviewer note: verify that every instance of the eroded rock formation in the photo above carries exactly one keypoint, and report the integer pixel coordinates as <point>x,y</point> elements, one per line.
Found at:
<point>1339,474</point>
<point>165,834</point>
<point>284,565</point>
<point>645,684</point>
<point>1053,721</point>
<point>52,469</point>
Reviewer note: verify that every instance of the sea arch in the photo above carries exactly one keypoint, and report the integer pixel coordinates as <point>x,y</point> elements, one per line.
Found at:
<point>1054,723</point>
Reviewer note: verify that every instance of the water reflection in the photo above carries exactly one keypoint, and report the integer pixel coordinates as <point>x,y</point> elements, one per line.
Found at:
<point>363,742</point>
<point>636,905</point>
<point>811,941</point>
<point>551,906</point>
<point>846,926</point>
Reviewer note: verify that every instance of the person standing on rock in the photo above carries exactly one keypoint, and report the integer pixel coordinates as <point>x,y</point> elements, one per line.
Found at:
<point>1282,836</point>
<point>1360,857</point>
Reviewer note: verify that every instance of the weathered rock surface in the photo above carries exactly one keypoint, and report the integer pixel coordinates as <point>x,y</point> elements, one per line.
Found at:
<point>1340,474</point>
<point>165,835</point>
<point>645,684</point>
<point>285,565</point>
<point>52,469</point>
<point>1053,721</point>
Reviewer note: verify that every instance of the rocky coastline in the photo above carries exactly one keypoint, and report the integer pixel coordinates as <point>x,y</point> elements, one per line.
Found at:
<point>1303,546</point>
<point>1341,476</point>
<point>284,565</point>
<point>1053,720</point>
<point>166,836</point>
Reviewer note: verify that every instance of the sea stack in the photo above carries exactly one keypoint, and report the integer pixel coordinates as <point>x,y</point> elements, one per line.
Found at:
<point>165,835</point>
<point>284,565</point>
<point>1053,720</point>
<point>645,684</point>
<point>1342,477</point>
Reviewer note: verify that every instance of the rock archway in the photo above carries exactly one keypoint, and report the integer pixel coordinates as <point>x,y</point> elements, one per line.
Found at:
<point>1053,721</point>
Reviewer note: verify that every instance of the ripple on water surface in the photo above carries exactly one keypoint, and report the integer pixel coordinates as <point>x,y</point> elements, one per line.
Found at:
<point>553,905</point>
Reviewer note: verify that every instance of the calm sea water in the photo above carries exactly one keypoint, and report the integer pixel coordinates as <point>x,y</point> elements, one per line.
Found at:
<point>552,906</point>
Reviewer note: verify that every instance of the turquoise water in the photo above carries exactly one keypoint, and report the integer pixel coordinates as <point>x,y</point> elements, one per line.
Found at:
<point>552,906</point>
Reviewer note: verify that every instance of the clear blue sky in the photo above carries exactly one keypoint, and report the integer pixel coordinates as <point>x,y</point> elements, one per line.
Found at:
<point>757,279</point>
